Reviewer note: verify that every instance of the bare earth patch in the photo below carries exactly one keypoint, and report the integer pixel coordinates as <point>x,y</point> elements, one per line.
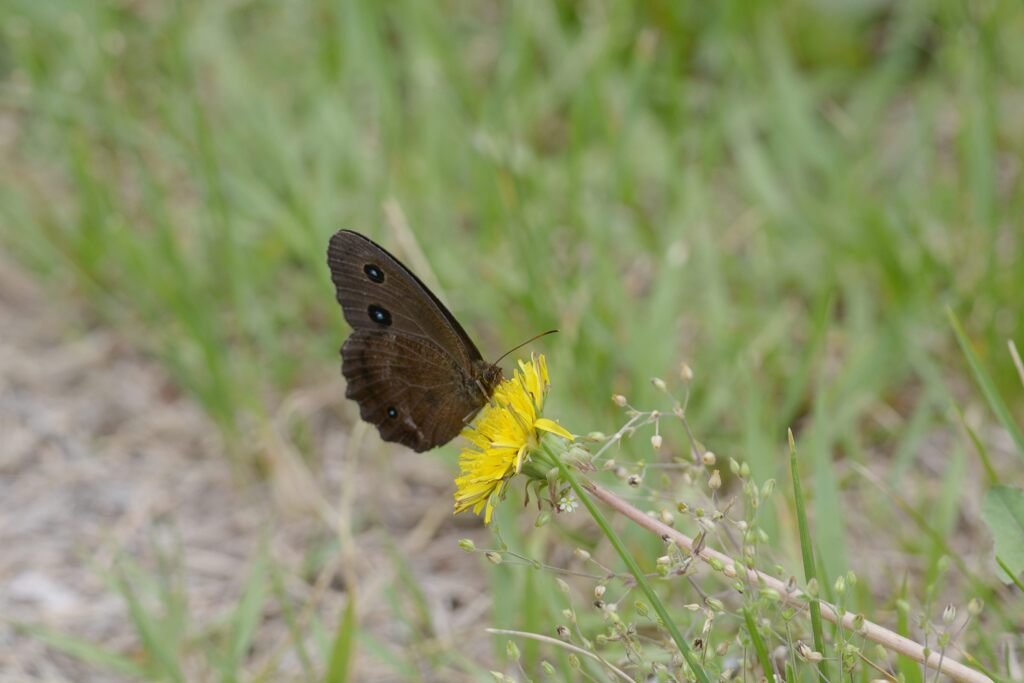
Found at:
<point>104,465</point>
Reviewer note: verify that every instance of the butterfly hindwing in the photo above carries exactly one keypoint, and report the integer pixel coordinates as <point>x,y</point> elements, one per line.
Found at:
<point>404,386</point>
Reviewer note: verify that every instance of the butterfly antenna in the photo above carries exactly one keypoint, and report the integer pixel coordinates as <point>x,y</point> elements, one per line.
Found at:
<point>519,346</point>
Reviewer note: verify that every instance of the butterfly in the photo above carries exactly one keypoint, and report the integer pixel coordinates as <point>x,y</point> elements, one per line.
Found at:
<point>413,370</point>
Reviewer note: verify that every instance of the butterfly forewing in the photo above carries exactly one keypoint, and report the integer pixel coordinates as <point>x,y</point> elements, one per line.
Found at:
<point>376,291</point>
<point>411,367</point>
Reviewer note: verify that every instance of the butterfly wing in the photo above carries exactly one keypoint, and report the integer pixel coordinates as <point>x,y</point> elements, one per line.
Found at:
<point>409,364</point>
<point>407,388</point>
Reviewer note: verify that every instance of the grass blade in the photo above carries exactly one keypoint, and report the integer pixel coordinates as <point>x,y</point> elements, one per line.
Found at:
<point>86,651</point>
<point>340,664</point>
<point>988,388</point>
<point>1009,572</point>
<point>246,619</point>
<point>288,612</point>
<point>979,447</point>
<point>808,554</point>
<point>759,646</point>
<point>908,669</point>
<point>159,644</point>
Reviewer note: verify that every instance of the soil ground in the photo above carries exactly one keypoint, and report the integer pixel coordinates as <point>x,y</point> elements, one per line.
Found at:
<point>103,464</point>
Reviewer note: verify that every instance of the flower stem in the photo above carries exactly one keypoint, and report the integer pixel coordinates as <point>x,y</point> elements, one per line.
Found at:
<point>633,567</point>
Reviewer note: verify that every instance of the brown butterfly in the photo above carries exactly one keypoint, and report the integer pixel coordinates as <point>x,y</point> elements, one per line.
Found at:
<point>410,366</point>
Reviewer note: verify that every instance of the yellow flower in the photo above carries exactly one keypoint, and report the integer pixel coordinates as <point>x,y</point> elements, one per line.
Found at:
<point>502,437</point>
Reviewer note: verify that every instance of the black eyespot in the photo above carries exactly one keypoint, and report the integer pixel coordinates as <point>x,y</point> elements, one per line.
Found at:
<point>379,315</point>
<point>392,412</point>
<point>373,272</point>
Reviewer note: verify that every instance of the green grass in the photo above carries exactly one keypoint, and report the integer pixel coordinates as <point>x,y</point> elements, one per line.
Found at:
<point>786,195</point>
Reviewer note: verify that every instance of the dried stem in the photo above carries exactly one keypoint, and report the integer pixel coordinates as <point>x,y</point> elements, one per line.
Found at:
<point>873,632</point>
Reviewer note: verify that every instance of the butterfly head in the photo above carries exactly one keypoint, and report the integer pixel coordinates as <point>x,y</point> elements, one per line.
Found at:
<point>488,376</point>
<point>493,376</point>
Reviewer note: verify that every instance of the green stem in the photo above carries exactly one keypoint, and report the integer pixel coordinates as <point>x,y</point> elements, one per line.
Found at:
<point>633,567</point>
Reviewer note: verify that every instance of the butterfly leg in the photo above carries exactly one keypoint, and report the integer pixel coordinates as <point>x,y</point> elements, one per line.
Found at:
<point>476,411</point>
<point>483,392</point>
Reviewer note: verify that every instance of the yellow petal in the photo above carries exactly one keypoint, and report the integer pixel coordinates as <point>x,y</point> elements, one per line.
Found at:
<point>519,459</point>
<point>487,515</point>
<point>474,437</point>
<point>542,366</point>
<point>553,427</point>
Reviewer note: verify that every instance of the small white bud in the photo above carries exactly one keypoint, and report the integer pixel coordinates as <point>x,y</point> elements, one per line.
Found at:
<point>685,372</point>
<point>806,653</point>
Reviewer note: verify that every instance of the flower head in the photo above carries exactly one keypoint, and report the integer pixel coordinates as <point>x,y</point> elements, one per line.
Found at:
<point>506,431</point>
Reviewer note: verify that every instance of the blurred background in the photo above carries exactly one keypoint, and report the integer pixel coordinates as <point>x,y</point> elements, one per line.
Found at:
<point>785,195</point>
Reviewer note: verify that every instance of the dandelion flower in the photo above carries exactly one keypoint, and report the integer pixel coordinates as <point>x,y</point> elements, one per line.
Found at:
<point>504,434</point>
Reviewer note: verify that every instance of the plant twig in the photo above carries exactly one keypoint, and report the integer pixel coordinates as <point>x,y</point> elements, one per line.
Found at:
<point>562,644</point>
<point>796,598</point>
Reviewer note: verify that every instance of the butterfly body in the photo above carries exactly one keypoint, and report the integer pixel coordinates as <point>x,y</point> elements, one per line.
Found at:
<point>413,370</point>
